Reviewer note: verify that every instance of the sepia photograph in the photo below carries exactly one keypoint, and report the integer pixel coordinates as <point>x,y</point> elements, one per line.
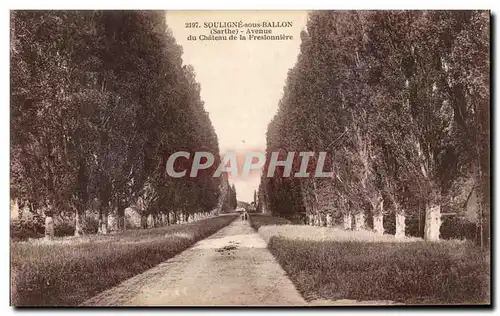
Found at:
<point>250,158</point>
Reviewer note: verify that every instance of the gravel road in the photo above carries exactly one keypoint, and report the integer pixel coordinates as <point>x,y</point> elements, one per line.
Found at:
<point>231,267</point>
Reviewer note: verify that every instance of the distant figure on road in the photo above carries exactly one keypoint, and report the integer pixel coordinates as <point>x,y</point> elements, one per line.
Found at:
<point>244,216</point>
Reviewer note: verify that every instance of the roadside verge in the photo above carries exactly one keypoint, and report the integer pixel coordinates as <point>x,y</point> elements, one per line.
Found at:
<point>66,273</point>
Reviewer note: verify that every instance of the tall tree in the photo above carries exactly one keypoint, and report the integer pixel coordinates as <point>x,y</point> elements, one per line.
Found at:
<point>388,96</point>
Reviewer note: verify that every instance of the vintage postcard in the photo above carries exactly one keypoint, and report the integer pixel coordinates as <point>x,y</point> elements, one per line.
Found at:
<point>250,158</point>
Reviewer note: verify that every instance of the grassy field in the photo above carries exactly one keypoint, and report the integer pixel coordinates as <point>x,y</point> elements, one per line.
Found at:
<point>323,266</point>
<point>67,271</point>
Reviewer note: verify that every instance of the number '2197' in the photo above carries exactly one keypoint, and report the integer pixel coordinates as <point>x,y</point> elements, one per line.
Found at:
<point>191,25</point>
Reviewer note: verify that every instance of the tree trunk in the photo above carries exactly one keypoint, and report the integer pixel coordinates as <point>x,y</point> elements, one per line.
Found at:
<point>316,219</point>
<point>49,227</point>
<point>79,219</point>
<point>321,220</point>
<point>310,218</point>
<point>400,225</point>
<point>359,221</point>
<point>105,198</point>
<point>329,220</point>
<point>104,222</point>
<point>348,221</point>
<point>432,222</point>
<point>82,196</point>
<point>154,220</point>
<point>378,217</point>
<point>150,221</point>
<point>120,220</point>
<point>486,234</point>
<point>144,221</point>
<point>378,223</point>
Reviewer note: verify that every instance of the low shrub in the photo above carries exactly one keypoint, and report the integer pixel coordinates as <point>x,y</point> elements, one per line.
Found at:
<point>458,228</point>
<point>258,220</point>
<point>64,228</point>
<point>25,229</point>
<point>90,225</point>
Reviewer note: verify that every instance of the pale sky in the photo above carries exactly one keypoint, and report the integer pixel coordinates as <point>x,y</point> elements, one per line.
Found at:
<point>241,81</point>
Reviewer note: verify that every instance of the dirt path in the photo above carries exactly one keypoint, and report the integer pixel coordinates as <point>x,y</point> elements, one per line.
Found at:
<point>231,267</point>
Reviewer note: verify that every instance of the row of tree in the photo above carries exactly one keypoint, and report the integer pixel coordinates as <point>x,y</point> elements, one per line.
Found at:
<point>400,102</point>
<point>228,200</point>
<point>99,101</point>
